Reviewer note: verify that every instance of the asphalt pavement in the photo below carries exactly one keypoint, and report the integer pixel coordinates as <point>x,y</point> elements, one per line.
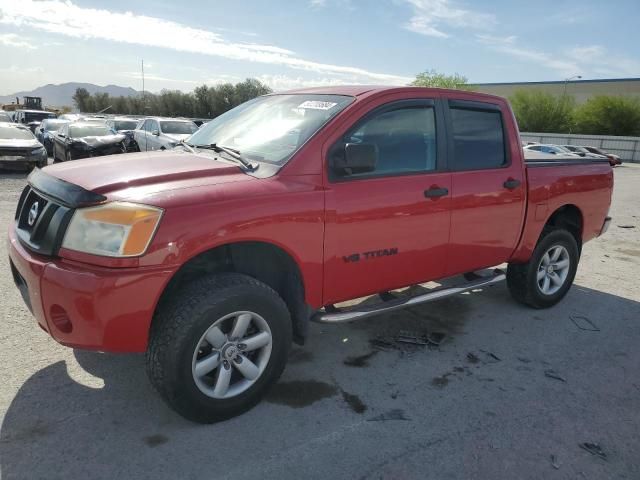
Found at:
<point>509,393</point>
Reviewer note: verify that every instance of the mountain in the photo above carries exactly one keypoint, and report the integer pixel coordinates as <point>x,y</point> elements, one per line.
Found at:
<point>61,95</point>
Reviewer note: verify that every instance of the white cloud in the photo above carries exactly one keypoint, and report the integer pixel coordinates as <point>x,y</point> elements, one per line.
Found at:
<point>431,17</point>
<point>563,65</point>
<point>285,82</point>
<point>589,60</point>
<point>318,3</point>
<point>14,40</point>
<point>68,19</point>
<point>159,78</point>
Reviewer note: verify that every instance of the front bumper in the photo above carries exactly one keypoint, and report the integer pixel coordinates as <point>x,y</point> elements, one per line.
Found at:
<point>82,306</point>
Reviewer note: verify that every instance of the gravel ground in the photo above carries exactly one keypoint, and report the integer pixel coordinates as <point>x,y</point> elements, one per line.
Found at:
<point>478,406</point>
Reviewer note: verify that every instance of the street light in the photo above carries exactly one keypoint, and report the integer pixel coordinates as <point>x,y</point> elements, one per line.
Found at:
<point>564,93</point>
<point>567,80</point>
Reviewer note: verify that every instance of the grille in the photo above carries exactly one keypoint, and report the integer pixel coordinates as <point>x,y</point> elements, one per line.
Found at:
<point>41,228</point>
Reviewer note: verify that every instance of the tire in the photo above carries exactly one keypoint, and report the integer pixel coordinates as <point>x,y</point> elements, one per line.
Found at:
<point>178,341</point>
<point>523,279</point>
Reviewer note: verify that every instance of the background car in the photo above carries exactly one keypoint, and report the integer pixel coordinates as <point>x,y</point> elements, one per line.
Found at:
<point>81,140</point>
<point>70,117</point>
<point>44,133</point>
<point>32,118</point>
<point>551,149</point>
<point>19,148</point>
<point>613,159</point>
<point>162,133</point>
<point>583,152</point>
<point>5,117</point>
<point>125,126</point>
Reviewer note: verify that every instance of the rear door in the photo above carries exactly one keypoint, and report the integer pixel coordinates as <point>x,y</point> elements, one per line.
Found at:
<point>488,184</point>
<point>388,228</point>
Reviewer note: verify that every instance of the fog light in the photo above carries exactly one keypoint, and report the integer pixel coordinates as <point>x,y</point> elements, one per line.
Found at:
<point>60,319</point>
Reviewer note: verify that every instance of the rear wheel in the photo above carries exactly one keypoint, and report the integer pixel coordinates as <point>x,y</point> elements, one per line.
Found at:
<point>546,278</point>
<point>218,345</point>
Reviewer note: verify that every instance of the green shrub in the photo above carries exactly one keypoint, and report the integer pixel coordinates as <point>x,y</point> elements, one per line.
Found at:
<point>538,111</point>
<point>609,115</point>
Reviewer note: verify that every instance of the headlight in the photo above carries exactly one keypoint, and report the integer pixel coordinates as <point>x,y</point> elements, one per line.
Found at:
<point>115,229</point>
<point>38,151</point>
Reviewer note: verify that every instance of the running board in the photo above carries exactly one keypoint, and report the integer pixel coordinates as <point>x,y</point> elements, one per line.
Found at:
<point>332,314</point>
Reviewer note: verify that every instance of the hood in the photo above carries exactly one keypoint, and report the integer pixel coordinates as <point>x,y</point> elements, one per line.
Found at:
<point>97,142</point>
<point>178,136</point>
<point>17,143</point>
<point>164,170</point>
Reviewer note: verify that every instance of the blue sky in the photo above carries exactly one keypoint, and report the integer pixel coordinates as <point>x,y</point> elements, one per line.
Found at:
<point>313,42</point>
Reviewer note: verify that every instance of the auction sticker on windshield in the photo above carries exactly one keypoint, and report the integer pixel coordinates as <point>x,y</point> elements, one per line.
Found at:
<point>317,105</point>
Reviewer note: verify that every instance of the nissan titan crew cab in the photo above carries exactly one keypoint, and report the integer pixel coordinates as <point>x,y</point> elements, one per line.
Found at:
<point>214,256</point>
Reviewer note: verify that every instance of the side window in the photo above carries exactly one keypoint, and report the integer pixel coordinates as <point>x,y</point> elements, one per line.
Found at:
<point>405,139</point>
<point>535,147</point>
<point>147,126</point>
<point>478,139</point>
<point>153,126</point>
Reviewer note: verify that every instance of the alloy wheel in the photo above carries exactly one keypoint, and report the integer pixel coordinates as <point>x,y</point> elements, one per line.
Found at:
<point>553,270</point>
<point>232,354</point>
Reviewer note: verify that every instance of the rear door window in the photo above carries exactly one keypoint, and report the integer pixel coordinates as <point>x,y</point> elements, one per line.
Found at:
<point>477,136</point>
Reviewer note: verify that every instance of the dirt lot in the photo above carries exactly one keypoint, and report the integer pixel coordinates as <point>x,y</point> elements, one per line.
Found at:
<point>510,393</point>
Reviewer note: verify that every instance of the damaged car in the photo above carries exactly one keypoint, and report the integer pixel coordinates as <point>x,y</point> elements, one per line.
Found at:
<point>46,131</point>
<point>19,148</point>
<point>84,140</point>
<point>125,126</point>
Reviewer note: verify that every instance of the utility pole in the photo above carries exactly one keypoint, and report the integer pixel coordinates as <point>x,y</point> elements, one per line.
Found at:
<point>144,102</point>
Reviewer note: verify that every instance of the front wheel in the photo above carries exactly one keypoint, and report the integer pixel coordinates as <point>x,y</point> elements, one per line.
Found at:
<point>546,278</point>
<point>217,346</point>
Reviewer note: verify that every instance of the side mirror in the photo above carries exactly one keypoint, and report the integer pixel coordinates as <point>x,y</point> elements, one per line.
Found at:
<point>42,130</point>
<point>155,133</point>
<point>356,158</point>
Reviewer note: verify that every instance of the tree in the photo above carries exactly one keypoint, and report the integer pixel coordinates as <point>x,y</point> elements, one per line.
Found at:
<point>431,78</point>
<point>537,111</point>
<point>204,101</point>
<point>609,115</point>
<point>81,99</point>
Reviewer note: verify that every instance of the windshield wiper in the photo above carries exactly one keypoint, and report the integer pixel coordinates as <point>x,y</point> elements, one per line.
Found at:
<point>187,145</point>
<point>231,152</point>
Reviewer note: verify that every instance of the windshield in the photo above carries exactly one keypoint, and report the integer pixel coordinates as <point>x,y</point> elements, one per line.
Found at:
<point>89,131</point>
<point>37,116</point>
<point>10,133</point>
<point>125,124</point>
<point>273,127</point>
<point>178,128</point>
<point>52,125</point>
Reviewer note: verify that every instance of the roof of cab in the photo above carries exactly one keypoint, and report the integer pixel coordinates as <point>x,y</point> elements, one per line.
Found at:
<point>360,90</point>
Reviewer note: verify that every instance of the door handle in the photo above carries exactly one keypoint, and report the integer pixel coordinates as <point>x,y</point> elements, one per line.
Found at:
<point>435,192</point>
<point>512,183</point>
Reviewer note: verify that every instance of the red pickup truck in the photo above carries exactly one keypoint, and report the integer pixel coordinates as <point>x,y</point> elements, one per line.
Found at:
<point>213,257</point>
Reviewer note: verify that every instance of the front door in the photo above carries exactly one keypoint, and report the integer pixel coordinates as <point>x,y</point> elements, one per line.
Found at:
<point>488,185</point>
<point>388,228</point>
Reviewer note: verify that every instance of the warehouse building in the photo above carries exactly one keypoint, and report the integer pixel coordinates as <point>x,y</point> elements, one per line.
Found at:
<point>581,90</point>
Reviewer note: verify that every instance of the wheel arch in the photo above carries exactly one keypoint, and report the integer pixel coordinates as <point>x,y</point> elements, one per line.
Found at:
<point>569,217</point>
<point>265,261</point>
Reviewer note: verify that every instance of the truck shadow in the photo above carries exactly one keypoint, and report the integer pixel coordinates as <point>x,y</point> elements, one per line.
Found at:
<point>56,424</point>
